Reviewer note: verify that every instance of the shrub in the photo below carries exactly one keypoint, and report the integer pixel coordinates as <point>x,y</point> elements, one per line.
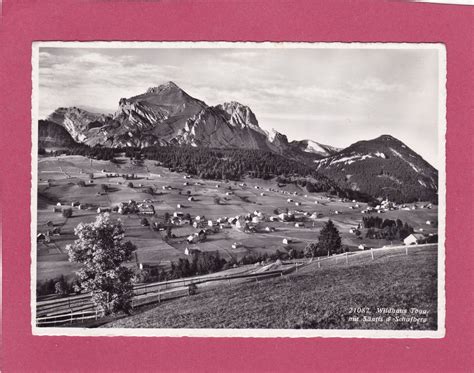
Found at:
<point>81,183</point>
<point>130,184</point>
<point>67,213</point>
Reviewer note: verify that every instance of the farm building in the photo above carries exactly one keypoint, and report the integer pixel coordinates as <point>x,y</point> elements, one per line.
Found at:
<point>235,245</point>
<point>269,229</point>
<point>286,241</point>
<point>289,200</point>
<point>103,209</point>
<point>414,239</point>
<point>361,247</point>
<point>178,214</point>
<point>299,225</point>
<point>190,199</point>
<point>40,237</point>
<point>146,209</point>
<point>178,206</point>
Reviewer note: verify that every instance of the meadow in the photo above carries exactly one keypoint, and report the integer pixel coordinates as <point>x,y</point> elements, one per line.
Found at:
<point>58,179</point>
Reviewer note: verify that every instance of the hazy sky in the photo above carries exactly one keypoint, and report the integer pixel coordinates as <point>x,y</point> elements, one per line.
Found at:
<point>334,96</point>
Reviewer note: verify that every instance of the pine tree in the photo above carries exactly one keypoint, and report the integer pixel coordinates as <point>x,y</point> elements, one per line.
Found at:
<point>329,239</point>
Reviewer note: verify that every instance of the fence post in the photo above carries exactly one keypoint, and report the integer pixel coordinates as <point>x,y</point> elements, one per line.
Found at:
<point>406,250</point>
<point>159,297</point>
<point>347,258</point>
<point>319,264</point>
<point>372,253</point>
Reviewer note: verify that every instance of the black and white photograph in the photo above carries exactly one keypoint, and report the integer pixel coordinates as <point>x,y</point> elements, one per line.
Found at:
<point>238,189</point>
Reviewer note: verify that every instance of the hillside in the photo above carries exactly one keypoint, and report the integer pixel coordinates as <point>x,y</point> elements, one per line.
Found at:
<point>316,299</point>
<point>383,167</point>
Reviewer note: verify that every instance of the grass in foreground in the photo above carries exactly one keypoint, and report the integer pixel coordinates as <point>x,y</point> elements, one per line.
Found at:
<point>320,299</point>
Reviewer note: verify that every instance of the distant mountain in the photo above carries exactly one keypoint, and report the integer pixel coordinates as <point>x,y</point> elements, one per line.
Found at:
<point>168,116</point>
<point>382,167</point>
<point>51,134</point>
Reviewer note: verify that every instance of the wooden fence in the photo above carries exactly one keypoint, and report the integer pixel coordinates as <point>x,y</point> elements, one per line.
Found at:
<point>79,308</point>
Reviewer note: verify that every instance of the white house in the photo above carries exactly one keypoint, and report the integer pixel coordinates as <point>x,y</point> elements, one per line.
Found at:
<point>286,241</point>
<point>414,239</point>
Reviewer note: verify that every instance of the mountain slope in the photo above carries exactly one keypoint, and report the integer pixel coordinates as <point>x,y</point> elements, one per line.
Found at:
<point>51,134</point>
<point>382,167</point>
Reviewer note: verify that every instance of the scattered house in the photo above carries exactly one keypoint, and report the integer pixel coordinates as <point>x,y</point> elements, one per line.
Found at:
<point>356,205</point>
<point>198,218</point>
<point>178,214</point>
<point>40,237</point>
<point>362,247</point>
<point>337,212</point>
<point>186,177</point>
<point>185,183</point>
<point>255,220</point>
<point>414,239</point>
<point>74,204</point>
<point>229,193</point>
<point>283,216</point>
<point>190,199</point>
<point>91,181</point>
<point>353,230</point>
<point>297,204</point>
<point>429,222</point>
<point>57,209</point>
<point>274,218</point>
<point>232,220</point>
<point>235,245</point>
<point>299,225</point>
<point>380,211</point>
<point>210,223</point>
<point>286,241</point>
<point>50,223</point>
<point>289,200</point>
<point>146,209</point>
<point>56,231</point>
<point>178,206</point>
<point>420,230</point>
<point>103,209</point>
<point>262,194</point>
<point>58,204</point>
<point>191,239</point>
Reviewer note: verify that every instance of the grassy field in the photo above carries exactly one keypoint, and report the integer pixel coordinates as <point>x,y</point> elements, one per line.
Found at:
<point>58,178</point>
<point>316,299</point>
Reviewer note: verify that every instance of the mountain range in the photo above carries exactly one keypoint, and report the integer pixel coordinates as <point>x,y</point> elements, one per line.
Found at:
<point>166,115</point>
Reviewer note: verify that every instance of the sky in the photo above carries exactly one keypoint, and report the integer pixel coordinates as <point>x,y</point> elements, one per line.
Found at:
<point>332,95</point>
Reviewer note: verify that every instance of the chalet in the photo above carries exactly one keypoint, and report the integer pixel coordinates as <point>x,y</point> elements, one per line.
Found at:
<point>56,231</point>
<point>178,206</point>
<point>178,214</point>
<point>185,183</point>
<point>199,218</point>
<point>146,209</point>
<point>235,245</point>
<point>190,199</point>
<point>283,217</point>
<point>58,204</point>
<point>289,200</point>
<point>191,239</point>
<point>50,223</point>
<point>274,218</point>
<point>103,209</point>
<point>316,202</point>
<point>362,247</point>
<point>286,241</point>
<point>255,220</point>
<point>297,204</point>
<point>337,212</point>
<point>210,223</point>
<point>299,225</point>
<point>229,193</point>
<point>429,222</point>
<point>414,239</point>
<point>75,204</point>
<point>262,194</point>
<point>353,230</point>
<point>232,220</point>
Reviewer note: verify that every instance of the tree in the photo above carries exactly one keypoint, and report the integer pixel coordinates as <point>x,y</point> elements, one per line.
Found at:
<point>67,213</point>
<point>144,222</point>
<point>329,239</point>
<point>130,184</point>
<point>310,250</point>
<point>149,190</point>
<point>104,187</point>
<point>81,183</point>
<point>101,251</point>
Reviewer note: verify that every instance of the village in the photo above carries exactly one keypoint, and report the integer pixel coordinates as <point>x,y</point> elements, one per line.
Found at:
<point>169,215</point>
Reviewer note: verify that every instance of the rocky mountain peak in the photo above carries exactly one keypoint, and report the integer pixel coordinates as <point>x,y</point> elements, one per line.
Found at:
<point>163,87</point>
